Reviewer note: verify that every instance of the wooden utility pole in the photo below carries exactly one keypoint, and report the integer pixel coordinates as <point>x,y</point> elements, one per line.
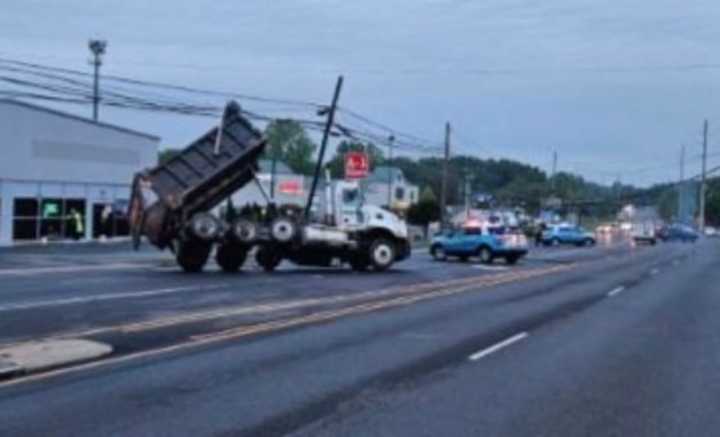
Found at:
<point>703,184</point>
<point>443,193</point>
<point>682,163</point>
<point>330,112</point>
<point>391,141</point>
<point>680,190</point>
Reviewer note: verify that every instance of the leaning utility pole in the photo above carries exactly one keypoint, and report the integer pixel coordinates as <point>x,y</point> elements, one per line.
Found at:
<point>97,47</point>
<point>703,184</point>
<point>330,112</point>
<point>554,171</point>
<point>391,142</point>
<point>443,193</point>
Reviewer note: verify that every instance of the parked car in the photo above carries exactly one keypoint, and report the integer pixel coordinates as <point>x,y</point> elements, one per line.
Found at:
<point>568,234</point>
<point>485,242</point>
<point>677,232</point>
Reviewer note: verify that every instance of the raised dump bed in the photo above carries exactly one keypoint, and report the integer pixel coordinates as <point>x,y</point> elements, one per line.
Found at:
<point>169,202</point>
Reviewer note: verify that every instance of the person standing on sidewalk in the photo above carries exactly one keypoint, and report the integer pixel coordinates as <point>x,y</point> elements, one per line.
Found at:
<point>77,225</point>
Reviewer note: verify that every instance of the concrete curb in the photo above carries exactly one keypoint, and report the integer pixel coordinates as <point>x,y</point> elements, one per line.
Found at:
<point>8,369</point>
<point>45,355</point>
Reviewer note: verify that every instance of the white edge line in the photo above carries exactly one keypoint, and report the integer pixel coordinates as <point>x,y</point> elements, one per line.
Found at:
<point>616,291</point>
<point>497,346</point>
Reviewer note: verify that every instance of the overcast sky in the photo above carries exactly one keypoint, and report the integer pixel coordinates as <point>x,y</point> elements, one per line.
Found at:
<point>615,87</point>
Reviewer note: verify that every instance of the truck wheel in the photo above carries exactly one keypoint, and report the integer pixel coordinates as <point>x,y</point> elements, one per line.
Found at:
<point>244,230</point>
<point>382,254</point>
<point>267,259</point>
<point>555,242</point>
<point>192,255</point>
<point>205,226</point>
<point>283,229</point>
<point>485,255</point>
<point>438,253</point>
<point>230,257</point>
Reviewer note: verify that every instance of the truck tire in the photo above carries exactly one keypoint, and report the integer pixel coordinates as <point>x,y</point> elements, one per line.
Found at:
<point>244,230</point>
<point>205,226</point>
<point>230,257</point>
<point>485,254</point>
<point>283,229</point>
<point>382,254</point>
<point>192,255</point>
<point>267,258</point>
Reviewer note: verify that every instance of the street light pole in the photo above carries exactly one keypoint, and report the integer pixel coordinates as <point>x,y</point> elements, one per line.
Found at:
<point>97,47</point>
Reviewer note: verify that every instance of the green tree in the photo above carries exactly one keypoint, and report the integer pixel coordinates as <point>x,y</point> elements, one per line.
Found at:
<point>167,154</point>
<point>426,211</point>
<point>668,204</point>
<point>289,142</point>
<point>337,163</point>
<point>427,195</point>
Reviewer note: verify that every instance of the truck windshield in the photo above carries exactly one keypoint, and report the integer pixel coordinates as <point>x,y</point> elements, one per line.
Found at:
<point>351,196</point>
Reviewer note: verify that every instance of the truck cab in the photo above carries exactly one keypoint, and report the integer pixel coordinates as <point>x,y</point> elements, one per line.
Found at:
<point>483,241</point>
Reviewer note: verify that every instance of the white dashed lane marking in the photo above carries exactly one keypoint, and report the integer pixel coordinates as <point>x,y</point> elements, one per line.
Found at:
<point>498,346</point>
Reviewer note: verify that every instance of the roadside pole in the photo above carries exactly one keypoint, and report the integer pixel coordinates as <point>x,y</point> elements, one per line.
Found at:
<point>703,184</point>
<point>443,193</point>
<point>468,187</point>
<point>554,172</point>
<point>97,47</point>
<point>273,169</point>
<point>680,190</point>
<point>326,135</point>
<point>391,141</point>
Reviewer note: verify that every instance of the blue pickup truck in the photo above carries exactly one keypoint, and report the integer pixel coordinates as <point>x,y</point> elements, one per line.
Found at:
<point>568,234</point>
<point>486,243</point>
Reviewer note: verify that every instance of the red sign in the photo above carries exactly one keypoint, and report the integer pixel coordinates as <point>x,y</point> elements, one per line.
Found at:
<point>291,187</point>
<point>357,165</point>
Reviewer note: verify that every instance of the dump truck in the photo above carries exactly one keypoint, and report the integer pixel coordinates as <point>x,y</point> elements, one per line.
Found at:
<point>173,206</point>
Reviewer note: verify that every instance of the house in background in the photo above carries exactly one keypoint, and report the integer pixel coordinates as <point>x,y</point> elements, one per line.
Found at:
<point>387,186</point>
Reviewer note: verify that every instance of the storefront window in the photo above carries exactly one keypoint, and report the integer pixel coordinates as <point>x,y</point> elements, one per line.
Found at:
<point>51,218</point>
<point>25,218</point>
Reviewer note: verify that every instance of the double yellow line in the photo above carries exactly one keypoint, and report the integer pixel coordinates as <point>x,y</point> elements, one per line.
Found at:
<point>375,301</point>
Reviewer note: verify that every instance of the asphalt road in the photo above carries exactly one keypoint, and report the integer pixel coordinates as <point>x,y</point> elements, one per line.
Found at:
<point>595,341</point>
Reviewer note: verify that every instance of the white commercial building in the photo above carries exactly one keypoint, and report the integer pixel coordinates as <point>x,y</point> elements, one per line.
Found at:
<point>289,187</point>
<point>64,176</point>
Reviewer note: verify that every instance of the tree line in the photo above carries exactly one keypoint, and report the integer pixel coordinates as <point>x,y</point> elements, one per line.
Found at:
<point>506,182</point>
